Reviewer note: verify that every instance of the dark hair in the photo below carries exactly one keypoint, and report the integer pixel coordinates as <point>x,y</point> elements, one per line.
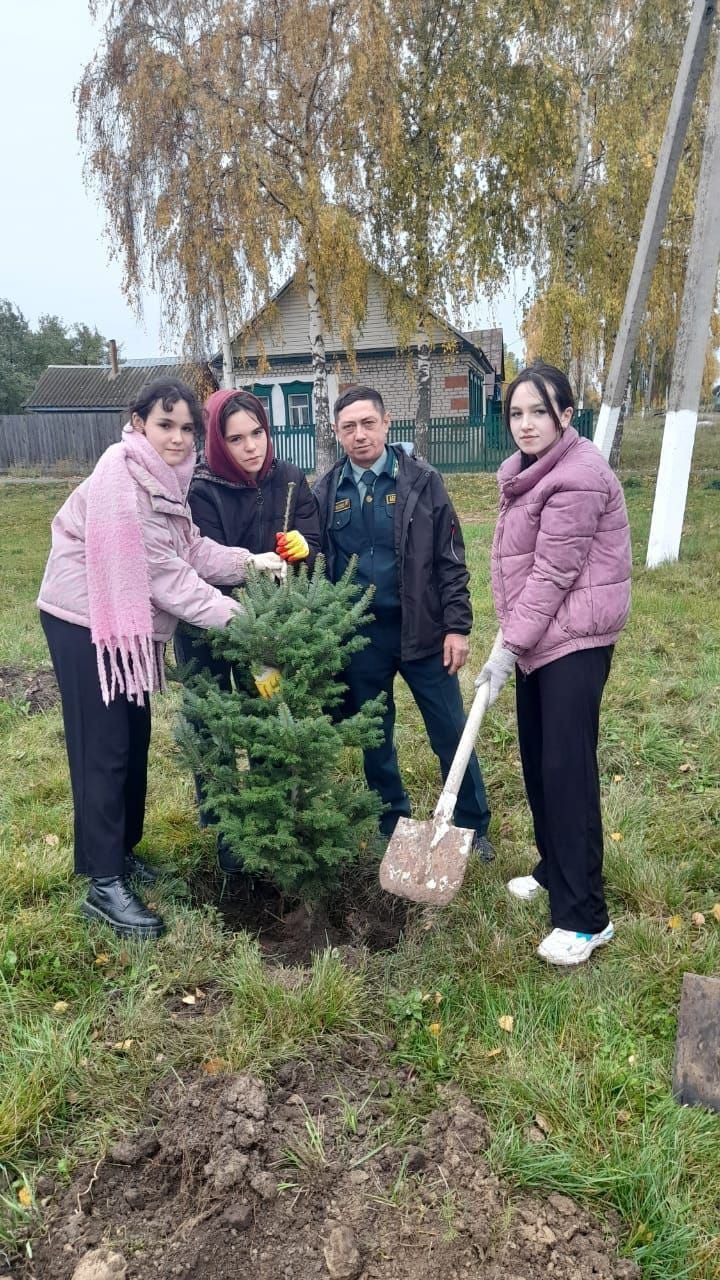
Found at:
<point>246,402</point>
<point>169,391</point>
<point>358,393</point>
<point>542,376</point>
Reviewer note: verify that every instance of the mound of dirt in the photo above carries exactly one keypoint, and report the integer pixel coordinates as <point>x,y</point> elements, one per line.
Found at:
<point>37,689</point>
<point>304,1180</point>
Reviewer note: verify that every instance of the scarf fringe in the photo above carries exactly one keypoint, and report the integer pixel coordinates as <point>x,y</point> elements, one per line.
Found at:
<point>134,667</point>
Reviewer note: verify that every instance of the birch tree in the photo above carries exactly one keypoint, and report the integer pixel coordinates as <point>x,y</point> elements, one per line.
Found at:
<point>585,92</point>
<point>431,223</point>
<point>165,153</point>
<point>297,106</point>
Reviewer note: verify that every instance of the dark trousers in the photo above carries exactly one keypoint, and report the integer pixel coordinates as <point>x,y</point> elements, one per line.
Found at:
<point>438,697</point>
<point>558,713</point>
<point>107,750</point>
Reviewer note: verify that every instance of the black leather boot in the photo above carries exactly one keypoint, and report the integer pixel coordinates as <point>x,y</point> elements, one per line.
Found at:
<point>227,862</point>
<point>483,848</point>
<point>136,869</point>
<point>111,900</point>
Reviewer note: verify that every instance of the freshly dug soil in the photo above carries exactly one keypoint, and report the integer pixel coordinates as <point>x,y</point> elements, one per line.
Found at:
<point>37,689</point>
<point>302,1179</point>
<point>359,915</point>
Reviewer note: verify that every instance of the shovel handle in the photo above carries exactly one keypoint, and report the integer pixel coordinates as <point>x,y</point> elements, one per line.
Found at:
<point>448,796</point>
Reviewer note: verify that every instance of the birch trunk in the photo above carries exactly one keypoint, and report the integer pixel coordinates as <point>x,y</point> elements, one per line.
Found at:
<point>223,328</point>
<point>325,449</point>
<point>424,395</point>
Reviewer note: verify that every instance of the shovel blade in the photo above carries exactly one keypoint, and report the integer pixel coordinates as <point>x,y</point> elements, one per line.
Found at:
<point>696,1069</point>
<point>426,861</point>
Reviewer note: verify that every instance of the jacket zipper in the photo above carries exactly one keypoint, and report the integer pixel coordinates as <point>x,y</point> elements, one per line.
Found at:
<point>261,530</point>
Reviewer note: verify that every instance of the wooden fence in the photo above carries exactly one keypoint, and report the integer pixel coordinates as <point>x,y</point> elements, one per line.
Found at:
<point>46,439</point>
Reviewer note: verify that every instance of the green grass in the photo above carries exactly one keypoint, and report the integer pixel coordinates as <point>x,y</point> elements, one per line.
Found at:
<point>590,1052</point>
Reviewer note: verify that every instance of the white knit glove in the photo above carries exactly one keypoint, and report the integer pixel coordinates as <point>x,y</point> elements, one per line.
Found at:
<point>496,672</point>
<point>269,562</point>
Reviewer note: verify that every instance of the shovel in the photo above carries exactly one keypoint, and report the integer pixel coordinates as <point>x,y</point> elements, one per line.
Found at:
<point>426,861</point>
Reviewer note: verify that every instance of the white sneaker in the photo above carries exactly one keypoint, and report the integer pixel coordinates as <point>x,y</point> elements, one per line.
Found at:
<point>565,946</point>
<point>525,887</point>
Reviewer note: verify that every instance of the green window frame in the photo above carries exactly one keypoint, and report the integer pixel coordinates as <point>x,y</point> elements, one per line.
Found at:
<point>475,394</point>
<point>294,409</point>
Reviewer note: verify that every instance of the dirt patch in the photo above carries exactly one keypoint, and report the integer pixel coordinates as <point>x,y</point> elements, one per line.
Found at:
<point>305,1179</point>
<point>359,915</point>
<point>36,689</point>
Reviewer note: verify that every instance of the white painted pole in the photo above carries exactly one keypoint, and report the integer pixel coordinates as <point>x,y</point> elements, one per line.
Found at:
<point>659,200</point>
<point>691,347</point>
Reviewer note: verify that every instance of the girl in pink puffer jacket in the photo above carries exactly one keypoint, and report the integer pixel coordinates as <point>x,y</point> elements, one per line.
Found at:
<point>561,583</point>
<point>126,564</point>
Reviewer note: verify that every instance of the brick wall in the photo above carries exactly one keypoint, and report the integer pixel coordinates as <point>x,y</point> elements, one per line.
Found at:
<point>394,376</point>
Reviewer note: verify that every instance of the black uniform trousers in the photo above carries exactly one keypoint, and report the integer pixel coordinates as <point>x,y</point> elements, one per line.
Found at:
<point>107,750</point>
<point>438,697</point>
<point>558,713</point>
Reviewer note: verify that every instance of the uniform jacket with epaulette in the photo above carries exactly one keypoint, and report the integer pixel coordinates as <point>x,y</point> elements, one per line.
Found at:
<point>432,574</point>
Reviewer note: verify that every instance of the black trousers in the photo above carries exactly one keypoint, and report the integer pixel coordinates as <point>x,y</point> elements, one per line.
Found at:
<point>439,700</point>
<point>558,713</point>
<point>107,750</point>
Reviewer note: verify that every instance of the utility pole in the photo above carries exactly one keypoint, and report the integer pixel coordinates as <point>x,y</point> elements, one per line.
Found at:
<point>691,347</point>
<point>655,215</point>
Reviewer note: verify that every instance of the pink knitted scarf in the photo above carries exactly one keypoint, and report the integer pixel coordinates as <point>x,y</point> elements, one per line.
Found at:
<point>118,577</point>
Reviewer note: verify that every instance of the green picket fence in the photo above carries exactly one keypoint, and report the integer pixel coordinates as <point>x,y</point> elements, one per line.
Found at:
<point>455,444</point>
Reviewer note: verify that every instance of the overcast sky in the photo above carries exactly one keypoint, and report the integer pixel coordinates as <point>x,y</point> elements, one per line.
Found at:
<point>53,252</point>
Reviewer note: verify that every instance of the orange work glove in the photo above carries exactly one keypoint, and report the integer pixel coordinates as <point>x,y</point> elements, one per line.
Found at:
<point>291,546</point>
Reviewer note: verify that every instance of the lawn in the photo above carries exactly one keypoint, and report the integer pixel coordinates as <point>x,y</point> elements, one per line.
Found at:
<point>85,1027</point>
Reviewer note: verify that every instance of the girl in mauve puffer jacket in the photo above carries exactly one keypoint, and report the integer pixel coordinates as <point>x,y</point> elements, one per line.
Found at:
<point>126,564</point>
<point>561,583</point>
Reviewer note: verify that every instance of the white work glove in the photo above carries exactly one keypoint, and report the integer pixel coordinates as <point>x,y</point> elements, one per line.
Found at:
<point>269,562</point>
<point>496,672</point>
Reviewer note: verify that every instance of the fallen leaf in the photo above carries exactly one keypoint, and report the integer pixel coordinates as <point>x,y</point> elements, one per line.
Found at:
<point>60,1006</point>
<point>543,1124</point>
<point>438,997</point>
<point>618,777</point>
<point>616,835</point>
<point>685,768</point>
<point>189,999</point>
<point>493,1053</point>
<point>199,995</point>
<point>632,1059</point>
<point>674,922</point>
<point>697,918</point>
<point>506,1022</point>
<point>715,911</point>
<point>214,1066</point>
<point>434,1029</point>
<point>101,959</point>
<point>122,1046</point>
<point>25,1196</point>
<point>52,841</point>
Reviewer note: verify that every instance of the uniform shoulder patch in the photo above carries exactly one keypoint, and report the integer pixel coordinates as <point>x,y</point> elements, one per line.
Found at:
<point>342,504</point>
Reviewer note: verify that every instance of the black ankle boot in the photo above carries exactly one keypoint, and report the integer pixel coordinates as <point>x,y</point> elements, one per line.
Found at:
<point>136,869</point>
<point>111,900</point>
<point>227,862</point>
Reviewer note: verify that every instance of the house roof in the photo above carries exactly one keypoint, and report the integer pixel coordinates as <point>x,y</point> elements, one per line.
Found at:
<point>83,386</point>
<point>491,342</point>
<point>297,343</point>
